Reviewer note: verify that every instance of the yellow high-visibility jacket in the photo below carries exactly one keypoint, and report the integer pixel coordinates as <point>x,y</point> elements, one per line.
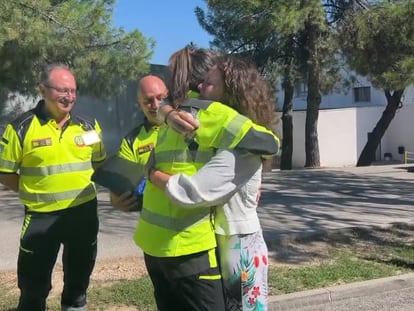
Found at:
<point>54,164</point>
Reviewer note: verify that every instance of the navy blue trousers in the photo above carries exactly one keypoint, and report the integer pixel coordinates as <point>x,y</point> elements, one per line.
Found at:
<point>42,235</point>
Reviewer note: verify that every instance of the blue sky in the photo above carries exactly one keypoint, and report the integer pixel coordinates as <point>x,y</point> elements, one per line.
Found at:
<point>172,23</point>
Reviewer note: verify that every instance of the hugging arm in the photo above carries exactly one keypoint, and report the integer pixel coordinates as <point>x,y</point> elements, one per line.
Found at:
<point>216,182</point>
<point>219,126</point>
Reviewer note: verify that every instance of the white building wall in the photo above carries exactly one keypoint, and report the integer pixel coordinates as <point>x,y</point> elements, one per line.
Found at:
<point>366,119</point>
<point>342,134</point>
<point>344,125</point>
<point>401,133</point>
<point>408,98</point>
<point>337,136</point>
<point>341,99</point>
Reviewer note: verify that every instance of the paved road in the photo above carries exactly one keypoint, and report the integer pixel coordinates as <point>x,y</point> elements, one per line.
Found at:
<point>299,202</point>
<point>303,202</point>
<point>115,234</point>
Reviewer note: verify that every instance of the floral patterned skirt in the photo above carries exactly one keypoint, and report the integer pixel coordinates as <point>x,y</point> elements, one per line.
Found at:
<point>244,265</point>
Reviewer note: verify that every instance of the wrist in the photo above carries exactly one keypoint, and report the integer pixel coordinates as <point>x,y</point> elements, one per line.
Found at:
<point>164,109</point>
<point>167,115</point>
<point>151,174</point>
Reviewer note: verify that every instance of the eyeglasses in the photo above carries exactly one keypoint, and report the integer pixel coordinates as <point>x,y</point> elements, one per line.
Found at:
<point>152,99</point>
<point>61,90</point>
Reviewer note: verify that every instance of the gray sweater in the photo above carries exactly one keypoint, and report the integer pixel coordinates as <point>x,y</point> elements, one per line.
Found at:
<point>230,181</point>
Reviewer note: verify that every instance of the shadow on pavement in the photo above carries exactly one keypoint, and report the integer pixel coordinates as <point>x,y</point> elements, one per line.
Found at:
<point>314,203</point>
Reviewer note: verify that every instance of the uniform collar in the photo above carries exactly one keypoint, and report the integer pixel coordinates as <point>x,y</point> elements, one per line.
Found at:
<point>44,116</point>
<point>148,125</point>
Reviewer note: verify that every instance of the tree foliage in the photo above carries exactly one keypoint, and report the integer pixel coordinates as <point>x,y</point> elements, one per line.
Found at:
<point>294,40</point>
<point>276,35</point>
<point>250,27</point>
<point>78,33</point>
<point>378,43</point>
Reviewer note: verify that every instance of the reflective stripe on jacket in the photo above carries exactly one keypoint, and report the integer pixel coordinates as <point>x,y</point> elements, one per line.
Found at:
<point>165,229</point>
<point>54,163</point>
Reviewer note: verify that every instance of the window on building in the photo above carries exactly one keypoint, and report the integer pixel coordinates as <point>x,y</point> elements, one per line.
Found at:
<point>362,94</point>
<point>301,89</point>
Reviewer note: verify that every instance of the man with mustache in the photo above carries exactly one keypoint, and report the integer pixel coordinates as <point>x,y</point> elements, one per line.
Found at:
<point>48,155</point>
<point>136,146</point>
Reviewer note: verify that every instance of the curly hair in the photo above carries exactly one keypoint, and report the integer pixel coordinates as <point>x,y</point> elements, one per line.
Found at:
<point>247,91</point>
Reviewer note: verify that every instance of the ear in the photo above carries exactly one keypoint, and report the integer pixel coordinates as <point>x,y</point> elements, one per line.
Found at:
<point>42,89</point>
<point>138,103</point>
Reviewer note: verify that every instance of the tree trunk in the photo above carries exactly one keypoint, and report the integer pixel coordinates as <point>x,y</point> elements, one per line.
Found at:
<point>287,145</point>
<point>314,97</point>
<point>368,153</point>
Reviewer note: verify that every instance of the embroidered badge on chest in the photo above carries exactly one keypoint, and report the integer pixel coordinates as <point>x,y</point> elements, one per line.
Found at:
<point>41,142</point>
<point>79,141</point>
<point>145,148</point>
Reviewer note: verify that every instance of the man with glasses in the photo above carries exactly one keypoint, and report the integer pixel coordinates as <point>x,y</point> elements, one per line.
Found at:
<point>48,155</point>
<point>136,146</point>
<point>62,90</point>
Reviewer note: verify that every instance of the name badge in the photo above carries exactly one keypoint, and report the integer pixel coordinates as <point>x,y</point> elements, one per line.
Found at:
<point>88,138</point>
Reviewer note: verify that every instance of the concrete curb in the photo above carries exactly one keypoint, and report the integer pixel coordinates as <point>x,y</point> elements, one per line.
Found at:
<point>312,299</point>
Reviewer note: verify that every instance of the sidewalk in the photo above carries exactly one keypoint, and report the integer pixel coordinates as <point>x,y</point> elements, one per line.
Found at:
<point>293,203</point>
<point>350,294</point>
